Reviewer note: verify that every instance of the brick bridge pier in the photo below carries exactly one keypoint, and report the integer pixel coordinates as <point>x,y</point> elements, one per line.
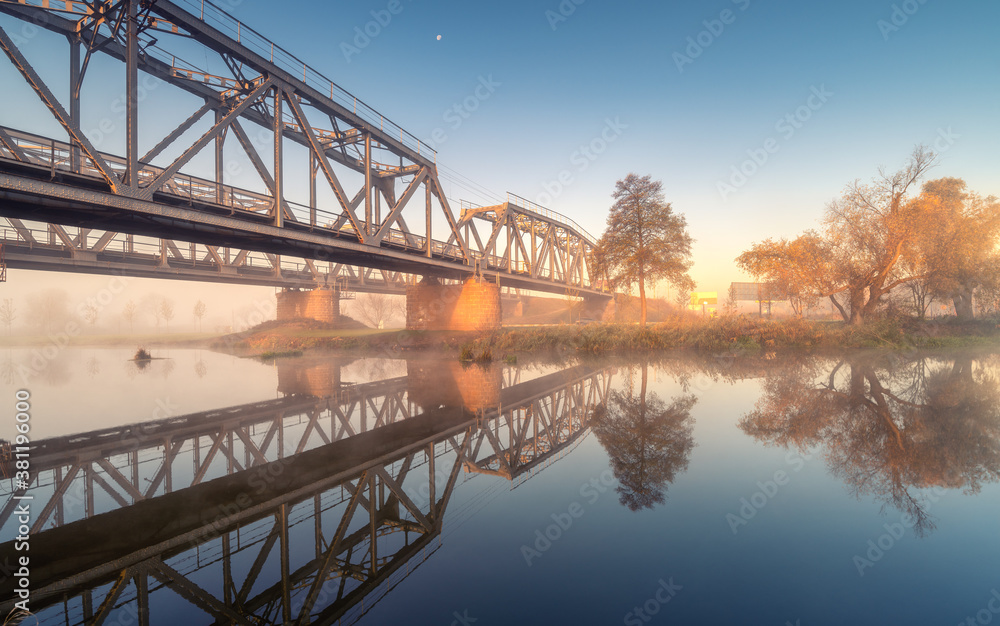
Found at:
<point>473,305</point>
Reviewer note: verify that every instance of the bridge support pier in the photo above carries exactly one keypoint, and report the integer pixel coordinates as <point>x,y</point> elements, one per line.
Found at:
<point>473,305</point>
<point>319,377</point>
<point>322,304</point>
<point>449,383</point>
<point>598,308</point>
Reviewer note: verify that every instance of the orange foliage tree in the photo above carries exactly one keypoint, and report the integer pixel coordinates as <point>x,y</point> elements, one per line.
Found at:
<point>956,251</point>
<point>878,236</point>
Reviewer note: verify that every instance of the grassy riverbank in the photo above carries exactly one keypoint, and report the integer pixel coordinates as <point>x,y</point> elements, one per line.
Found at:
<point>732,334</point>
<point>736,334</point>
<point>283,338</point>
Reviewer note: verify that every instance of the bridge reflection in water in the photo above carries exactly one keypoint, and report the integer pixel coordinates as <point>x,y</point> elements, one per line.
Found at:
<point>303,509</point>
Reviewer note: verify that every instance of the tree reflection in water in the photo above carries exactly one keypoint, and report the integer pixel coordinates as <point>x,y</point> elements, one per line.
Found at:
<point>890,426</point>
<point>648,442</point>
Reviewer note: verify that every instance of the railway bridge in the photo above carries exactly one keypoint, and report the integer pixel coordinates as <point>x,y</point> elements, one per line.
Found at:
<point>337,188</point>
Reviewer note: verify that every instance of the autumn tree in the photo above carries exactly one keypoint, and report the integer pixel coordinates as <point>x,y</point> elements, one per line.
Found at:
<point>793,269</point>
<point>645,240</point>
<point>861,253</point>
<point>868,230</point>
<point>957,251</point>
<point>200,308</point>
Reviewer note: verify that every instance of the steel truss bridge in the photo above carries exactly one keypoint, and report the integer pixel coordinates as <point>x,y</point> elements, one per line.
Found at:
<point>345,493</point>
<point>52,247</point>
<point>253,89</point>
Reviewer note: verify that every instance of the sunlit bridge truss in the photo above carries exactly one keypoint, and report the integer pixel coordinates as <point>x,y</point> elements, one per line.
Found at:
<point>367,192</point>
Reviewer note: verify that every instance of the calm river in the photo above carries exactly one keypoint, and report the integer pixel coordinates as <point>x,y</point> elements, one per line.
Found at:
<point>206,489</point>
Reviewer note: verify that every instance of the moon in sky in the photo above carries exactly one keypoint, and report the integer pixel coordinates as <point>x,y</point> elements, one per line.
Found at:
<point>439,37</point>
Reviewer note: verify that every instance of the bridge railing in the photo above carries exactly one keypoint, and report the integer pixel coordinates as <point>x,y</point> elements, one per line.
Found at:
<point>550,215</point>
<point>530,207</point>
<point>148,250</point>
<point>57,156</point>
<point>225,23</point>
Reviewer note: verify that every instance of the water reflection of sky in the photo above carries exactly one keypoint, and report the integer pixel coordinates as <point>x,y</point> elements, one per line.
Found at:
<point>765,483</point>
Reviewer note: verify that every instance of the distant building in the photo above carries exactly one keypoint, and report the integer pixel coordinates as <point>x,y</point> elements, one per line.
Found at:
<point>764,294</point>
<point>705,301</point>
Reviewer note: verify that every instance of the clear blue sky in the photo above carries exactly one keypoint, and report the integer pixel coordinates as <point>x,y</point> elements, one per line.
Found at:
<point>556,83</point>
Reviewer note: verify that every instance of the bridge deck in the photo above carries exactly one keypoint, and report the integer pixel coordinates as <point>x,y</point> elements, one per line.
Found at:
<point>264,88</point>
<point>48,170</point>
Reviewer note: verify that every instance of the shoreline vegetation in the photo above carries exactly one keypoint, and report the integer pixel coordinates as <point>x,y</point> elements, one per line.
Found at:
<point>732,334</point>
<point>735,334</point>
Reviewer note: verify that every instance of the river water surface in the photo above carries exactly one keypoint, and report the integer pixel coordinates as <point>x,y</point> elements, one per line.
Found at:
<point>202,488</point>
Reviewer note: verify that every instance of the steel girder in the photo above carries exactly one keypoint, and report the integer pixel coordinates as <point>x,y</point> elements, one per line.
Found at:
<point>273,92</point>
<point>77,249</point>
<point>522,242</point>
<point>378,535</point>
<point>269,88</point>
